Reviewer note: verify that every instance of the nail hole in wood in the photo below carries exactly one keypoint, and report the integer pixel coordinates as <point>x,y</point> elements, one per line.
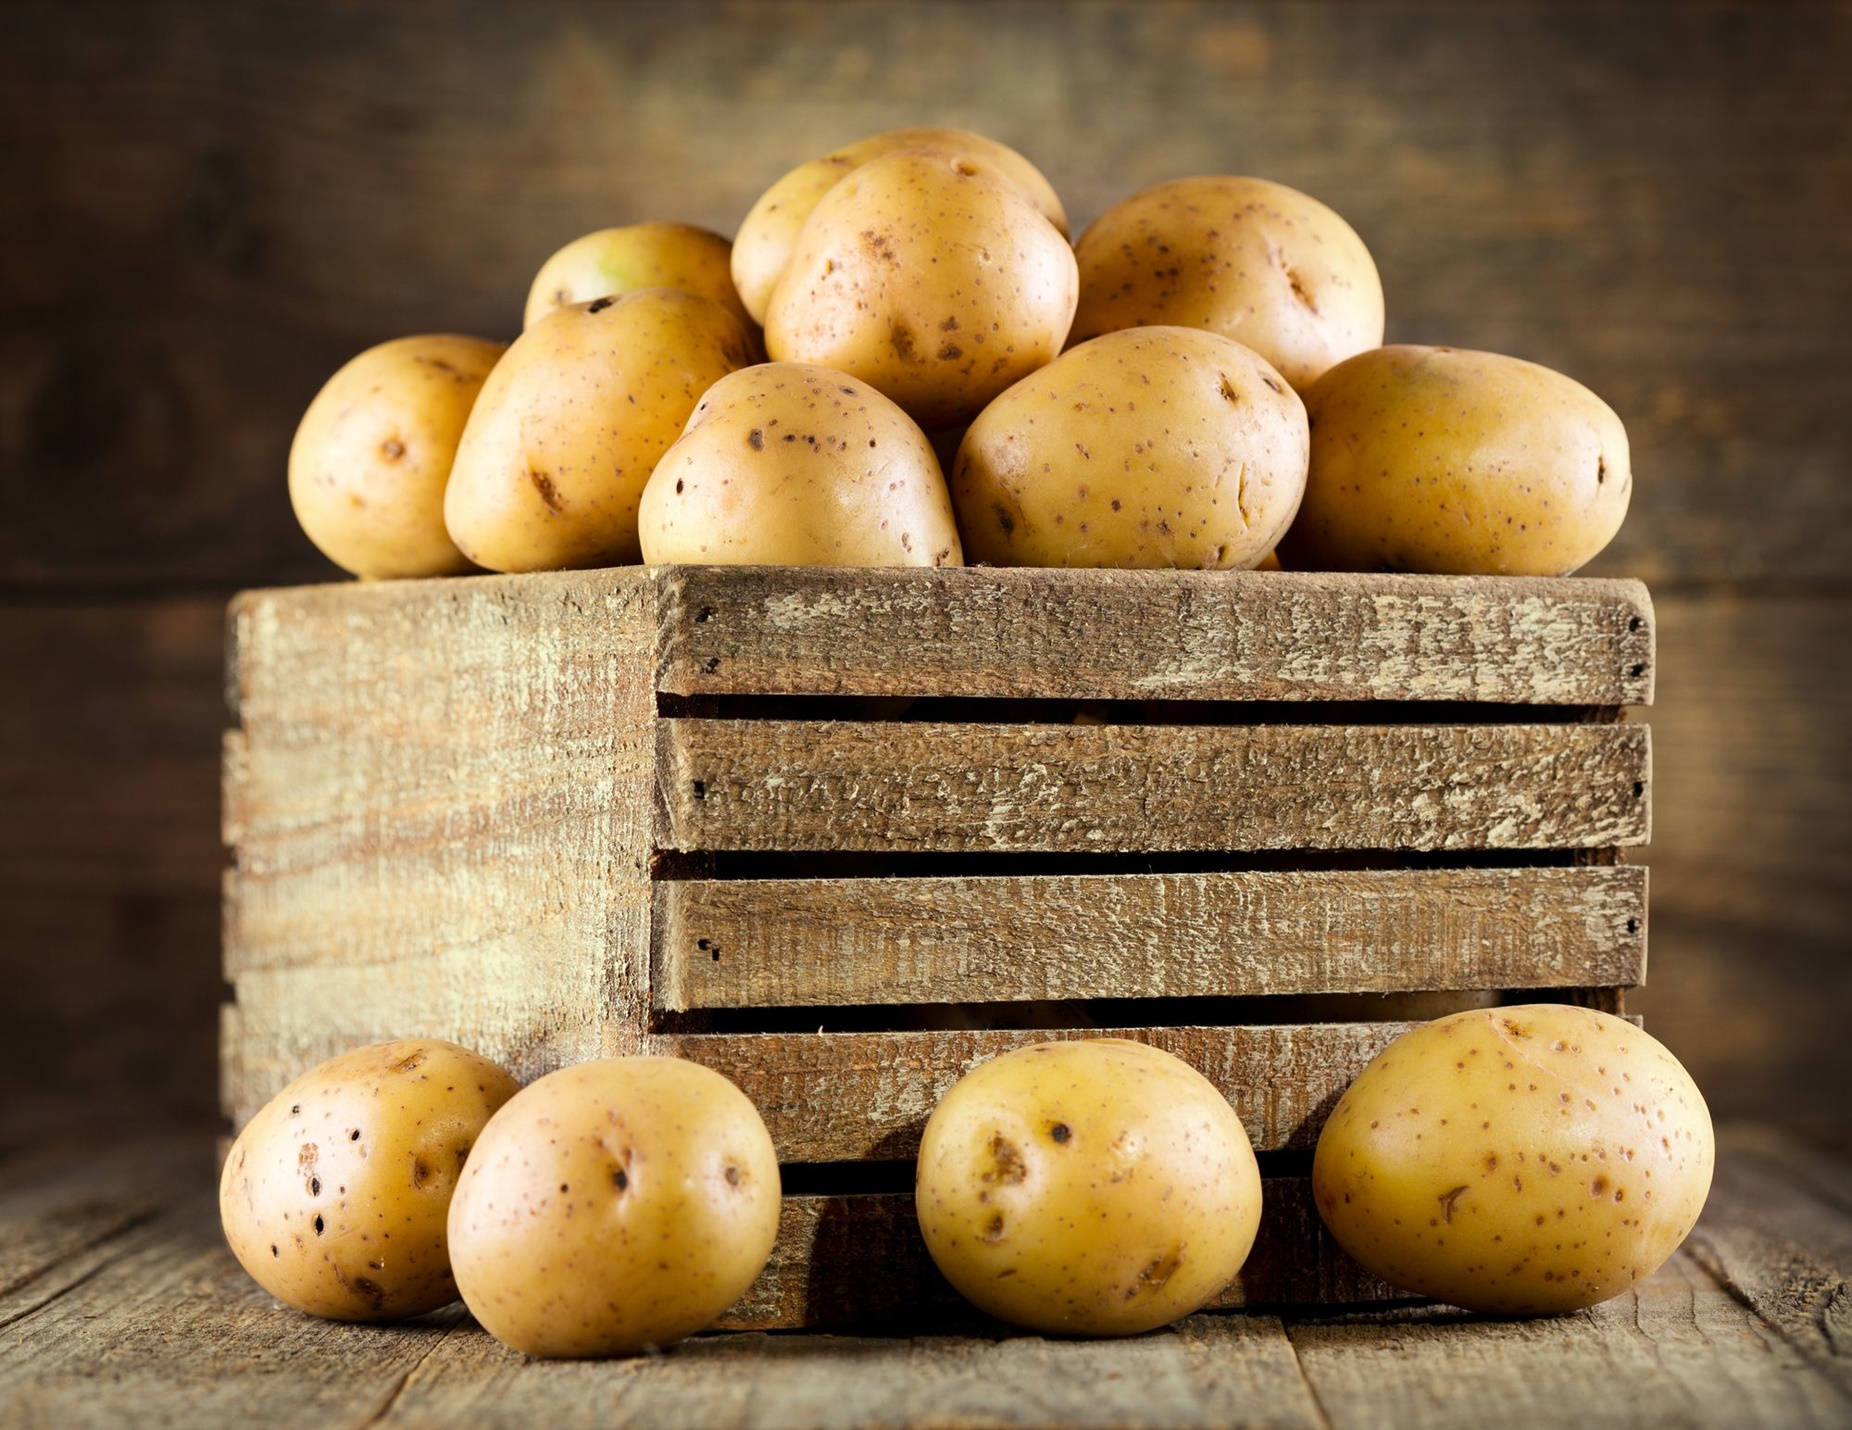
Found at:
<point>1633,925</point>
<point>1635,623</point>
<point>700,789</point>
<point>1637,671</point>
<point>712,664</point>
<point>706,613</point>
<point>1639,788</point>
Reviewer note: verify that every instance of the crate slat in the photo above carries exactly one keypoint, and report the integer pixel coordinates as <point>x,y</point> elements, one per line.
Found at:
<point>840,1097</point>
<point>764,943</point>
<point>859,1261</point>
<point>819,785</point>
<point>1156,635</point>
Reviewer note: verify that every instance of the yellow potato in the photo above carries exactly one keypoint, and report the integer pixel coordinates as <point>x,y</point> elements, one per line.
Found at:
<point>1519,1160</point>
<point>641,255</point>
<point>929,276</point>
<point>370,461</point>
<point>1254,261</point>
<point>794,465</point>
<point>1455,462</point>
<point>769,232</point>
<point>614,1206</point>
<point>1151,447</point>
<point>335,1194</point>
<point>574,419</point>
<point>1096,1187</point>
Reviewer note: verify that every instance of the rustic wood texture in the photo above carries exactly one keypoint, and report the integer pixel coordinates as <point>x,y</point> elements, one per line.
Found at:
<point>834,1097</point>
<point>1156,635</point>
<point>439,804</point>
<point>859,1263</point>
<point>757,943</point>
<point>147,1319</point>
<point>807,785</point>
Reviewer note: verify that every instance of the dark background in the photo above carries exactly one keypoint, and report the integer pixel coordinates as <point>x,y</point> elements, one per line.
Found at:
<point>207,208</point>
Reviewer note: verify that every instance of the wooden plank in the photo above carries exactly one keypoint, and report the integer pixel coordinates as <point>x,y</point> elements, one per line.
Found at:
<point>750,943</point>
<point>814,785</point>
<point>833,1097</point>
<point>440,796</point>
<point>1155,635</point>
<point>820,1269</point>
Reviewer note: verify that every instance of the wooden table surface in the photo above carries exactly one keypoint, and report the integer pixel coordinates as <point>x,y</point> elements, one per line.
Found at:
<point>120,1305</point>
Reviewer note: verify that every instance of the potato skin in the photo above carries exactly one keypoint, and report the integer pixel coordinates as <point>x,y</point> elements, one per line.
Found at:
<point>639,255</point>
<point>1252,260</point>
<point>795,465</point>
<point>768,234</point>
<point>574,419</point>
<point>930,277</point>
<point>335,1195</point>
<point>1094,1187</point>
<point>1149,447</point>
<point>372,456</point>
<point>1521,1160</point>
<point>614,1206</point>
<point>1457,463</point>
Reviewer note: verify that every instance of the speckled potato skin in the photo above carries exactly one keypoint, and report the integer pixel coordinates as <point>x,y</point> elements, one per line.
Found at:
<point>1252,260</point>
<point>1150,447</point>
<point>614,1206</point>
<point>372,456</point>
<point>787,464</point>
<point>769,232</point>
<point>929,276</point>
<point>1457,463</point>
<point>1097,1187</point>
<point>574,419</point>
<point>1520,1161</point>
<point>640,255</point>
<point>335,1195</point>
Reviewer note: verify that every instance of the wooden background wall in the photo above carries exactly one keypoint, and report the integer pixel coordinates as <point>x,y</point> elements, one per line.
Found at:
<point>208,207</point>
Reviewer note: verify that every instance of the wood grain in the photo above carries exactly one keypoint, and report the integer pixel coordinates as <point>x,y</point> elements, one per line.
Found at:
<point>1155,635</point>
<point>809,785</point>
<point>832,1097</point>
<point>439,804</point>
<point>756,943</point>
<point>821,1271</point>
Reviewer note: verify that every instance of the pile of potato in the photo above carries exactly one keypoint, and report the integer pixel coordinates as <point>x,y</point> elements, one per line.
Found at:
<point>1524,1160</point>
<point>1194,383</point>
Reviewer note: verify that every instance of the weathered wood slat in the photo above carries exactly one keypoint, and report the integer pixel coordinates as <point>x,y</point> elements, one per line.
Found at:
<point>830,1097</point>
<point>746,943</point>
<point>1156,635</point>
<point>815,785</point>
<point>858,1261</point>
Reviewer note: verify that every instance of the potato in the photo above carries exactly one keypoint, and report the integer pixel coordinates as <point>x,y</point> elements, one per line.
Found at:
<point>1455,462</point>
<point>574,419</point>
<point>642,255</point>
<point>1254,261</point>
<point>929,276</point>
<point>1097,1187</point>
<point>370,461</point>
<point>769,233</point>
<point>794,465</point>
<point>335,1194</point>
<point>614,1206</point>
<point>1519,1160</point>
<point>1149,447</point>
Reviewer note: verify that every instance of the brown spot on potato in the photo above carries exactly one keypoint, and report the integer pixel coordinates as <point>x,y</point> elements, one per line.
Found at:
<point>421,1173</point>
<point>1007,1159</point>
<point>411,1062</point>
<point>1153,1275</point>
<point>392,449</point>
<point>549,494</point>
<point>598,305</point>
<point>755,439</point>
<point>1060,1132</point>
<point>1447,1199</point>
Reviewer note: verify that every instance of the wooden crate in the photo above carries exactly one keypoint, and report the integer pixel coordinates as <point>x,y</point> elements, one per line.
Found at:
<point>842,834</point>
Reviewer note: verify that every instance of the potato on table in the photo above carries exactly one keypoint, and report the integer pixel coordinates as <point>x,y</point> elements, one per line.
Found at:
<point>796,465</point>
<point>336,1194</point>
<point>1149,447</point>
<point>1517,1160</point>
<point>373,455</point>
<point>1097,1187</point>
<point>1457,463</point>
<point>573,421</point>
<point>1247,258</point>
<point>614,1206</point>
<point>639,255</point>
